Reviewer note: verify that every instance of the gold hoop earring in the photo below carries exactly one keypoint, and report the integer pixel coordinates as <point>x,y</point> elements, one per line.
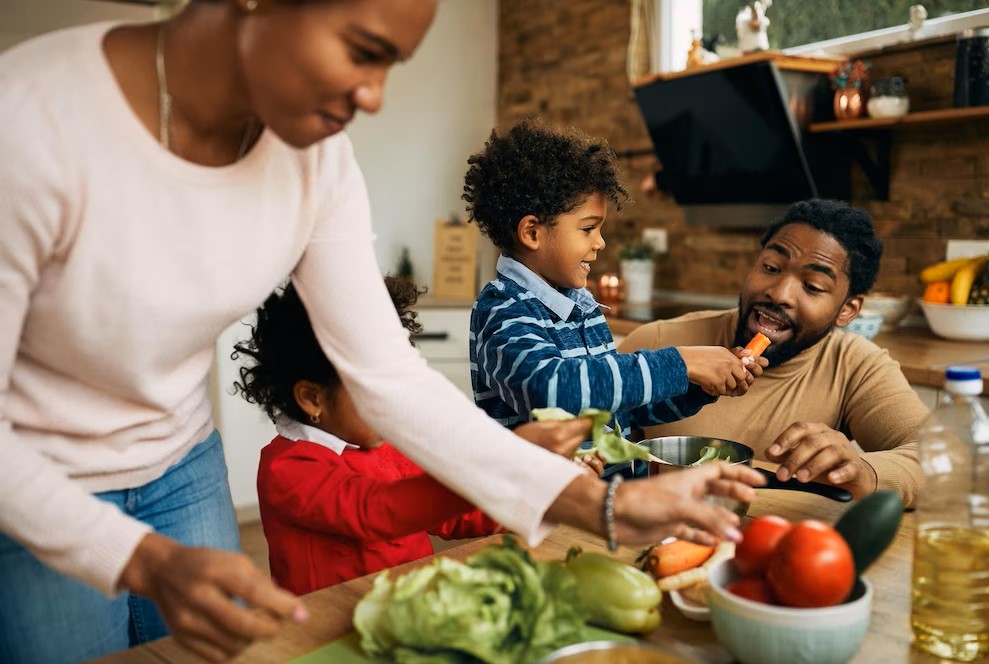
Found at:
<point>314,418</point>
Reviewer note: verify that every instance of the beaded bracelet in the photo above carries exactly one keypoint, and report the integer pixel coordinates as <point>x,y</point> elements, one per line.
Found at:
<point>609,511</point>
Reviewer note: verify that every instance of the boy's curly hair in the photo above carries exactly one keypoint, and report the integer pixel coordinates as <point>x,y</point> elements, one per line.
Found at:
<point>539,170</point>
<point>284,349</point>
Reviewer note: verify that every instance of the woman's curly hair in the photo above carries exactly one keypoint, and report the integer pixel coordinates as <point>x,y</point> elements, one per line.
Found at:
<point>284,349</point>
<point>539,170</point>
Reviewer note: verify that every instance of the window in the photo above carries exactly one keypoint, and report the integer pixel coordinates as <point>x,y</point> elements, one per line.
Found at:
<point>838,27</point>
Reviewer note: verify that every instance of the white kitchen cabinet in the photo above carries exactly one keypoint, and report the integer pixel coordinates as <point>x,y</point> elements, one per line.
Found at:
<point>444,343</point>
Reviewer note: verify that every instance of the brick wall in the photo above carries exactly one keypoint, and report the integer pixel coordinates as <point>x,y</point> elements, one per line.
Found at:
<point>566,62</point>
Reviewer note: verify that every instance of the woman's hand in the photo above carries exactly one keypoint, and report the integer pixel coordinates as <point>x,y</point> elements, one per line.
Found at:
<point>668,505</point>
<point>562,438</point>
<point>194,589</point>
<point>672,504</point>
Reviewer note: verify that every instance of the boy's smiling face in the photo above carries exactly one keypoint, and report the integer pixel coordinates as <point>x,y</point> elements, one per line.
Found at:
<point>562,253</point>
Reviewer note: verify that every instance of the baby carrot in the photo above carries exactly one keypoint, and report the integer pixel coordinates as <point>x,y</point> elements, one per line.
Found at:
<point>673,557</point>
<point>759,343</point>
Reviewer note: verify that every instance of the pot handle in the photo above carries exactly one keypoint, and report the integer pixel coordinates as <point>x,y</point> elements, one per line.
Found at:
<point>826,490</point>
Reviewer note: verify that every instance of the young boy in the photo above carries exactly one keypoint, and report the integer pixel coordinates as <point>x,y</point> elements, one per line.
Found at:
<point>537,337</point>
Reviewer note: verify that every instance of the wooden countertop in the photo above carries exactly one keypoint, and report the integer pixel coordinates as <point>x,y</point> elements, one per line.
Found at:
<point>888,639</point>
<point>922,355</point>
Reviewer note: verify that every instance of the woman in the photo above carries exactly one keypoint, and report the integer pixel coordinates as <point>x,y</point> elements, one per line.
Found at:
<point>157,182</point>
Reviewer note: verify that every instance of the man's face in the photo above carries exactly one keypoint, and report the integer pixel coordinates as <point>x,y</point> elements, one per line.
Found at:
<point>796,292</point>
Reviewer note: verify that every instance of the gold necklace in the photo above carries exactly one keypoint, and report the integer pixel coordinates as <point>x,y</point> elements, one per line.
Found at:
<point>165,103</point>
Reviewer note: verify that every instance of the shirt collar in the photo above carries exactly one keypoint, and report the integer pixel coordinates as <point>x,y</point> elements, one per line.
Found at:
<point>295,431</point>
<point>560,303</point>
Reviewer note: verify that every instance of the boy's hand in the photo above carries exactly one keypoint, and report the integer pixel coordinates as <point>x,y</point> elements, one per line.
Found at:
<point>717,370</point>
<point>563,438</point>
<point>753,365</point>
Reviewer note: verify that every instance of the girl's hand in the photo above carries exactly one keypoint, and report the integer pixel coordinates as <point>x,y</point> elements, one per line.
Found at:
<point>563,438</point>
<point>592,463</point>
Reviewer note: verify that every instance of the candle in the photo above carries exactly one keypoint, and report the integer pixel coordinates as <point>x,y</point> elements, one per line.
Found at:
<point>609,287</point>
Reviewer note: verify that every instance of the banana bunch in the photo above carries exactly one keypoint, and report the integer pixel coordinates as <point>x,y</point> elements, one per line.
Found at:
<point>962,280</point>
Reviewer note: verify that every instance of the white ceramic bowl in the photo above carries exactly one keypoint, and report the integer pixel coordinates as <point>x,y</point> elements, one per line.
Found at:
<point>866,324</point>
<point>757,633</point>
<point>887,106</point>
<point>961,322</point>
<point>891,306</point>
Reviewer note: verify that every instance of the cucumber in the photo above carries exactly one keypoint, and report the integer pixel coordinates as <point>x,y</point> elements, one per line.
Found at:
<point>869,527</point>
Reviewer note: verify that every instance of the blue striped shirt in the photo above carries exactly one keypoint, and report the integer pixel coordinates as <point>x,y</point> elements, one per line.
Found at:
<point>533,346</point>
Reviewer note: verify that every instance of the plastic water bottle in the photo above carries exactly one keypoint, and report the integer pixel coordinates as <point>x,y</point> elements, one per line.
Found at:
<point>950,592</point>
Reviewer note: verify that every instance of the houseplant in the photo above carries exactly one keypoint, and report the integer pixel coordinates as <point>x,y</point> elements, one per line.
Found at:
<point>636,265</point>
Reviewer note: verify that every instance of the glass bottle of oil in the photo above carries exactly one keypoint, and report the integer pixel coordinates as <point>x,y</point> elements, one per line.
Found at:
<point>950,592</point>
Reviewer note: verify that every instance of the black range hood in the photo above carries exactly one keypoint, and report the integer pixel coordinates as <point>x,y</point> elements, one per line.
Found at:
<point>731,146</point>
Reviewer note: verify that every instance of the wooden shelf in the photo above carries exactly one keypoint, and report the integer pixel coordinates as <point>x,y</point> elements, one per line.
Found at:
<point>921,117</point>
<point>816,65</point>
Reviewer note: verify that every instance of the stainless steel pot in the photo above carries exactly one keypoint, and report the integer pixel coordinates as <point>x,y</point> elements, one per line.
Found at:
<point>682,451</point>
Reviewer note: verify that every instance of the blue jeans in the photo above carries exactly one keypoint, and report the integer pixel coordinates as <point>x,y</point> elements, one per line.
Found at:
<point>48,617</point>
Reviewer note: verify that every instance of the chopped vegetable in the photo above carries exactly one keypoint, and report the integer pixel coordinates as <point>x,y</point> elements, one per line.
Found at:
<point>760,342</point>
<point>611,445</point>
<point>696,575</point>
<point>617,596</point>
<point>712,453</point>
<point>499,607</point>
<point>673,557</point>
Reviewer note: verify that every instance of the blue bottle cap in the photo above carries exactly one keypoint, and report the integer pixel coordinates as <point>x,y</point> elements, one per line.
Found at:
<point>962,373</point>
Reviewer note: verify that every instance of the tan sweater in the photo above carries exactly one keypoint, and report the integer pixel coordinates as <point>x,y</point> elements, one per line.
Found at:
<point>845,381</point>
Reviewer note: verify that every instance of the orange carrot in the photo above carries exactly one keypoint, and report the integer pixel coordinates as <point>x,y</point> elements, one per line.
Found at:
<point>673,557</point>
<point>759,343</point>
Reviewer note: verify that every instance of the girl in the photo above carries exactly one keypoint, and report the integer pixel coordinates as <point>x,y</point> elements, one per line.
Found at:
<point>337,502</point>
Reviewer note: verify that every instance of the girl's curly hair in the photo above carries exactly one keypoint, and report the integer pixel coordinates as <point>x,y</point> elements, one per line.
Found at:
<point>284,349</point>
<point>539,170</point>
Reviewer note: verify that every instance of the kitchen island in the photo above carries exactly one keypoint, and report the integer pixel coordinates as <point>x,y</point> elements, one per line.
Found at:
<point>888,639</point>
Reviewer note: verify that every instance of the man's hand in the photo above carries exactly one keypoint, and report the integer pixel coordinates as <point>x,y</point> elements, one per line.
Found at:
<point>814,451</point>
<point>194,589</point>
<point>562,438</point>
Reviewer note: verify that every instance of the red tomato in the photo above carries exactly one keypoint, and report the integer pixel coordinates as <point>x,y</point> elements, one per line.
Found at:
<point>760,537</point>
<point>812,566</point>
<point>754,588</point>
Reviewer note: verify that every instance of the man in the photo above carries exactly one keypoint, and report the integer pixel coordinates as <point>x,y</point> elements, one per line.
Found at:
<point>822,389</point>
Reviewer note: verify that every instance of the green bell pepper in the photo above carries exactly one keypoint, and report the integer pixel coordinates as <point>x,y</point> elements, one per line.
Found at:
<point>616,596</point>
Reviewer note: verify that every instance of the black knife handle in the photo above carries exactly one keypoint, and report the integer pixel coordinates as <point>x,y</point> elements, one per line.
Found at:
<point>826,490</point>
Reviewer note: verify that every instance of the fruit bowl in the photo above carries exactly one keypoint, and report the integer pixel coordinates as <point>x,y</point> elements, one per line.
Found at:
<point>757,633</point>
<point>960,322</point>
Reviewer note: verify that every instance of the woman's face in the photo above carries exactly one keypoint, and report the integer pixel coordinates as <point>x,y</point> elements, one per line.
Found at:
<point>309,67</point>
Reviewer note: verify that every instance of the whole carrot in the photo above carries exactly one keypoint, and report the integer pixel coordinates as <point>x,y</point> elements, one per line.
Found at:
<point>760,342</point>
<point>673,557</point>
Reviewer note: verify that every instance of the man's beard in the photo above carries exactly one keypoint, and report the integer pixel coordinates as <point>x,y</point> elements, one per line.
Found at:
<point>778,352</point>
